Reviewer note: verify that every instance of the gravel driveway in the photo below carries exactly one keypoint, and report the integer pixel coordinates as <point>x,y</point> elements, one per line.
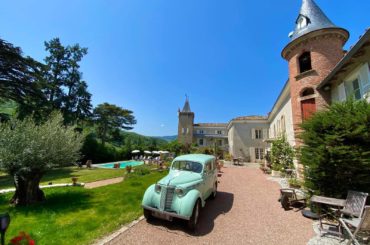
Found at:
<point>246,211</point>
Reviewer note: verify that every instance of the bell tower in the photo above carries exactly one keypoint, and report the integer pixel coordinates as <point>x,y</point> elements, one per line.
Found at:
<point>186,124</point>
<point>316,46</point>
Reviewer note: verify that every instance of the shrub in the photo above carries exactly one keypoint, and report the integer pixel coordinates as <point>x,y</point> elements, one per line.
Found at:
<point>141,170</point>
<point>336,150</point>
<point>282,154</point>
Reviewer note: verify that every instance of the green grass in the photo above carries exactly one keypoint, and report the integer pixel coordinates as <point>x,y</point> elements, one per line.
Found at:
<point>74,215</point>
<point>64,175</point>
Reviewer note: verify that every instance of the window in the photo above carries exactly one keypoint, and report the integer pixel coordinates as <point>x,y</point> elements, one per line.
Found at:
<point>353,89</point>
<point>201,142</point>
<point>304,62</point>
<point>283,124</point>
<point>258,134</point>
<point>187,166</point>
<point>259,153</point>
<point>307,92</point>
<point>218,132</point>
<point>302,22</point>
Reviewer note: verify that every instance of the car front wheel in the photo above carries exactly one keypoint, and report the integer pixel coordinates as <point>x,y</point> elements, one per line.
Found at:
<point>148,214</point>
<point>192,223</point>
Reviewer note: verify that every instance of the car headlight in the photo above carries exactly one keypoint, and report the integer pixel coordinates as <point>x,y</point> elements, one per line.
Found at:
<point>158,188</point>
<point>180,192</point>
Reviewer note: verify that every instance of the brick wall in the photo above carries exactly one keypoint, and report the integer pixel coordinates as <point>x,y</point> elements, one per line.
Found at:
<point>326,51</point>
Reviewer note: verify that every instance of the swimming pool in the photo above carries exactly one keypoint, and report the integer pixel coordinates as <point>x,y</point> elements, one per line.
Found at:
<point>122,164</point>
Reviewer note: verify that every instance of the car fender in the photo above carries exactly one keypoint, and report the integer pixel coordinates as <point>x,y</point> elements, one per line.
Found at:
<point>188,202</point>
<point>148,196</point>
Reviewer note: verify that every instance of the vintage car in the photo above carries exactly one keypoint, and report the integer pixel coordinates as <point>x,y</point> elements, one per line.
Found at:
<point>183,192</point>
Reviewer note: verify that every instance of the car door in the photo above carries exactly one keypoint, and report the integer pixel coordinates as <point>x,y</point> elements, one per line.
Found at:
<point>208,185</point>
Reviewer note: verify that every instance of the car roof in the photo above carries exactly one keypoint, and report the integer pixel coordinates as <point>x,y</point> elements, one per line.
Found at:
<point>201,158</point>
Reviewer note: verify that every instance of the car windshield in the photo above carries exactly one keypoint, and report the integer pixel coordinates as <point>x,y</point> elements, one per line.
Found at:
<point>187,166</point>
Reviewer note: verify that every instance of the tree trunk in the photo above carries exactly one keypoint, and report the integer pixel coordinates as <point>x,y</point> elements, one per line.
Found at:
<point>27,190</point>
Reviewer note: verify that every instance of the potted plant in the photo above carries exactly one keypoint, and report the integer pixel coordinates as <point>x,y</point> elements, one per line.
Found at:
<point>294,183</point>
<point>128,169</point>
<point>282,154</point>
<point>74,180</point>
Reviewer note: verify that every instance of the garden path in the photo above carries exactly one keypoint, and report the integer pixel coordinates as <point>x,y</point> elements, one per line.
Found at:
<point>105,182</point>
<point>246,211</point>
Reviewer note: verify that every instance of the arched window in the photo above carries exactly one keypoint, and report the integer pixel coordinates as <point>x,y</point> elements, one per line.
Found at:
<point>305,62</point>
<point>307,92</point>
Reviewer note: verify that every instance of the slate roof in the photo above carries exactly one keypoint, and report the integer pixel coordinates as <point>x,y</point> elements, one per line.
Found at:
<point>316,19</point>
<point>186,107</point>
<point>250,118</point>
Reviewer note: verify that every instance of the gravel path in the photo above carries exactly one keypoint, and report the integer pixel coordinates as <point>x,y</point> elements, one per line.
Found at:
<point>100,183</point>
<point>246,211</point>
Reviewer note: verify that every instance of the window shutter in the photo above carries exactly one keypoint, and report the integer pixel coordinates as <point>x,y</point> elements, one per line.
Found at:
<point>341,92</point>
<point>253,133</point>
<point>265,136</point>
<point>252,154</point>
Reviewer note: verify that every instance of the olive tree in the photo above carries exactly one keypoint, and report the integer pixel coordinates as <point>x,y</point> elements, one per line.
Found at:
<point>28,151</point>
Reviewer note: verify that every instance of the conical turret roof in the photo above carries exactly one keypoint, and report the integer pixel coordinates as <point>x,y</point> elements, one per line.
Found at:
<point>186,107</point>
<point>311,18</point>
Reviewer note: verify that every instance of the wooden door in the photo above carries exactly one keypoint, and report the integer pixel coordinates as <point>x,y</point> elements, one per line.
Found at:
<point>308,108</point>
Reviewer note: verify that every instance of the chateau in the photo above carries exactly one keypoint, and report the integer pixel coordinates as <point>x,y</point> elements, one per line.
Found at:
<point>320,73</point>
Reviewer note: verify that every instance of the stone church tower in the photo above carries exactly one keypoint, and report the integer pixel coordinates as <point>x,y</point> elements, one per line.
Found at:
<point>186,124</point>
<point>315,48</point>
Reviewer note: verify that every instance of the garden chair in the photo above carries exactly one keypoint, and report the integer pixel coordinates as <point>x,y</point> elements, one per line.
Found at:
<point>354,205</point>
<point>361,223</point>
<point>290,196</point>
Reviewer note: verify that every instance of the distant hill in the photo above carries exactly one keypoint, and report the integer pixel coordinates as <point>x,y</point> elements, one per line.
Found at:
<point>166,138</point>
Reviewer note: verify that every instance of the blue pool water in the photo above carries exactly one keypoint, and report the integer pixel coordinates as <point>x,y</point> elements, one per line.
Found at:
<point>122,164</point>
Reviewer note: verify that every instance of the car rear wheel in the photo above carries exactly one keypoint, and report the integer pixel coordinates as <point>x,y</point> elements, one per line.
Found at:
<point>148,214</point>
<point>214,192</point>
<point>192,223</point>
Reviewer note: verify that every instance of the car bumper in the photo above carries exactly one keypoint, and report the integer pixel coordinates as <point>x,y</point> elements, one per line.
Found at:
<point>170,214</point>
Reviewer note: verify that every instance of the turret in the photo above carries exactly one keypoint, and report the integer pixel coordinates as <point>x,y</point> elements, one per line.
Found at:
<point>316,46</point>
<point>186,124</point>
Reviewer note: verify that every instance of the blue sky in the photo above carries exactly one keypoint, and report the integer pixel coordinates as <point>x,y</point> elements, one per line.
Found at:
<point>145,55</point>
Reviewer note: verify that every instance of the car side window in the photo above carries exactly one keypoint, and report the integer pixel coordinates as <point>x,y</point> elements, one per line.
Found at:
<point>213,165</point>
<point>208,167</point>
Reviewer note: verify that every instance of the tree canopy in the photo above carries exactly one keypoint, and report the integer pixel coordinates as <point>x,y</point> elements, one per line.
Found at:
<point>110,117</point>
<point>18,74</point>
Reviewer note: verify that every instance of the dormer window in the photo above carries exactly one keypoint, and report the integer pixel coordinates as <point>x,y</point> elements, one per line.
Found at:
<point>302,22</point>
<point>305,62</point>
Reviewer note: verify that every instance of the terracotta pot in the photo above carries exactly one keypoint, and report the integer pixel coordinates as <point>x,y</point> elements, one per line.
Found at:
<point>74,180</point>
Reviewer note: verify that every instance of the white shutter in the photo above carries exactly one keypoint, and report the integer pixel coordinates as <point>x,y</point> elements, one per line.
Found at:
<point>253,133</point>
<point>251,154</point>
<point>265,136</point>
<point>341,92</point>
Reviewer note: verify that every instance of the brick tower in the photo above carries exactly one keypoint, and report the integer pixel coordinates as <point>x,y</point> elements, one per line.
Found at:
<point>316,46</point>
<point>186,124</point>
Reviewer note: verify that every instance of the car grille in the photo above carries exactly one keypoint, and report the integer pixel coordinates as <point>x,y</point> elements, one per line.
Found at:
<point>166,197</point>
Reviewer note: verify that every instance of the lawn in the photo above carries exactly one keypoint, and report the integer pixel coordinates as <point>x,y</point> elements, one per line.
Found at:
<point>63,175</point>
<point>74,215</point>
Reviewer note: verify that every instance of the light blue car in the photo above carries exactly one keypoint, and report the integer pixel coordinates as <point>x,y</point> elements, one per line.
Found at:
<point>183,192</point>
